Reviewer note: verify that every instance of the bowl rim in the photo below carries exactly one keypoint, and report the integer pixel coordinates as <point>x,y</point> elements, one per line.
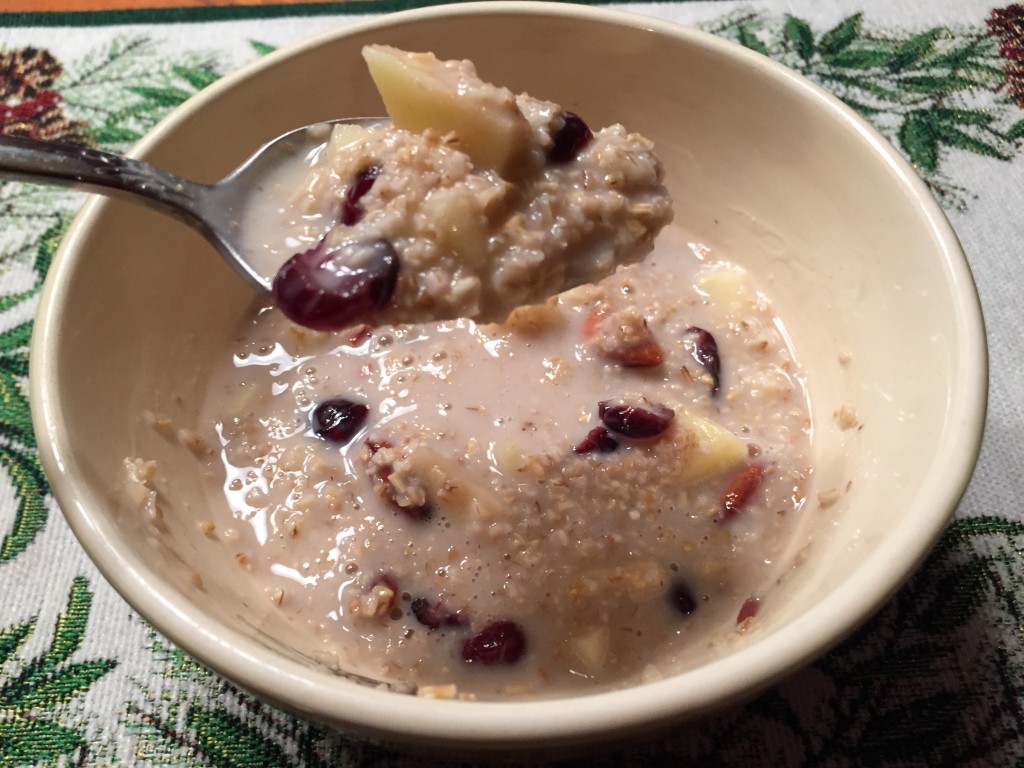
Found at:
<point>539,722</point>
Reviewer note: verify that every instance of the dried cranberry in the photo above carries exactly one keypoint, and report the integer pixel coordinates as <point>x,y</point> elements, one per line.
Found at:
<point>634,421</point>
<point>435,614</point>
<point>501,642</point>
<point>705,352</point>
<point>352,209</point>
<point>331,287</point>
<point>739,490</point>
<point>569,138</point>
<point>338,419</point>
<point>598,439</point>
<point>682,598</point>
<point>643,355</point>
<point>748,610</point>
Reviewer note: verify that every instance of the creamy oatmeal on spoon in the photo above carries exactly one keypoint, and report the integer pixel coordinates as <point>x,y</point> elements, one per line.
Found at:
<point>472,202</point>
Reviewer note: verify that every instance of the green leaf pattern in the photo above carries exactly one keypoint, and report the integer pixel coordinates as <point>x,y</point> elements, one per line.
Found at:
<point>146,87</point>
<point>34,693</point>
<point>17,444</point>
<point>933,93</point>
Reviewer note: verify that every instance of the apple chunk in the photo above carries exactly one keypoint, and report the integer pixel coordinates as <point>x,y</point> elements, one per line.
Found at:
<point>710,449</point>
<point>343,136</point>
<point>420,92</point>
<point>728,290</point>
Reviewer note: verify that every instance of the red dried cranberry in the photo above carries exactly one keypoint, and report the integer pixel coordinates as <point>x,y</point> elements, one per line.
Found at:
<point>569,138</point>
<point>338,419</point>
<point>705,352</point>
<point>682,598</point>
<point>634,421</point>
<point>739,490</point>
<point>331,287</point>
<point>435,614</point>
<point>598,439</point>
<point>748,610</point>
<point>643,355</point>
<point>352,209</point>
<point>501,642</point>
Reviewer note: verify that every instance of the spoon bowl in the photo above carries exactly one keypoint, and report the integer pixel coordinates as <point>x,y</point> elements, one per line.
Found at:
<point>215,210</point>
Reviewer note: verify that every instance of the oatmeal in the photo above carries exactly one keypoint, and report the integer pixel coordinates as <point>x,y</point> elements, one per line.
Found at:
<point>598,488</point>
<point>589,491</point>
<point>473,202</point>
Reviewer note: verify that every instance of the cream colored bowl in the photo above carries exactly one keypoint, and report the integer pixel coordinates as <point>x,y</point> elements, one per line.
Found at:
<point>764,167</point>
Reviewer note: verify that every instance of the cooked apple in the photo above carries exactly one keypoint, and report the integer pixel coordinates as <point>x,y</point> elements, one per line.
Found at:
<point>420,92</point>
<point>710,448</point>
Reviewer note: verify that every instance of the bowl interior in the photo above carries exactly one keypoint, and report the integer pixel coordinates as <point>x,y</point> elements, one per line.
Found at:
<point>763,168</point>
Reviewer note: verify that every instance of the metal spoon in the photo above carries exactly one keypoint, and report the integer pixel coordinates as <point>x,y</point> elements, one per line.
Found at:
<point>213,209</point>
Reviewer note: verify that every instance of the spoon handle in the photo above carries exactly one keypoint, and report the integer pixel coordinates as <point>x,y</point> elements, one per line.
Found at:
<point>45,162</point>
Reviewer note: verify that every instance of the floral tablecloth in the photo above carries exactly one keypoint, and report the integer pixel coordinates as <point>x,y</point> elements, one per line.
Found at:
<point>935,679</point>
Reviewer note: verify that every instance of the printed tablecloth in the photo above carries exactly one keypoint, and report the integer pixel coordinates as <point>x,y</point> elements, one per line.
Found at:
<point>935,679</point>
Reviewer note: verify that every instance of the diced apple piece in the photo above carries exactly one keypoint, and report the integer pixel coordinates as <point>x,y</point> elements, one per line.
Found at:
<point>637,581</point>
<point>315,197</point>
<point>455,492</point>
<point>420,92</point>
<point>345,135</point>
<point>535,319</point>
<point>582,295</point>
<point>710,448</point>
<point>460,222</point>
<point>508,458</point>
<point>728,289</point>
<point>591,646</point>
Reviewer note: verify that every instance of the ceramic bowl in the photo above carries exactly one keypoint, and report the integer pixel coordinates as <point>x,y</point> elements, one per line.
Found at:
<point>764,167</point>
